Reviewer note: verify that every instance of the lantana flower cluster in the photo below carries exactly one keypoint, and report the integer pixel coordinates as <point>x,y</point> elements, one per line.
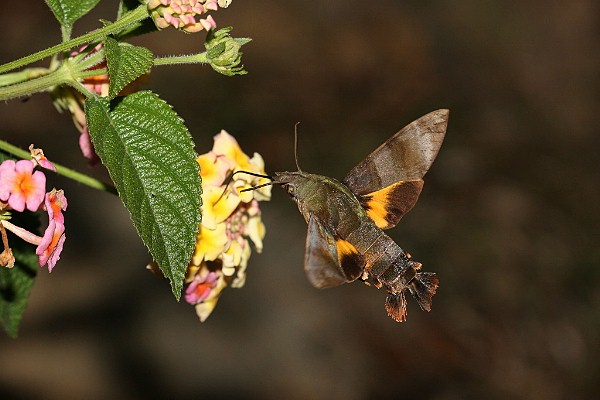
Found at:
<point>24,188</point>
<point>231,219</point>
<point>181,14</point>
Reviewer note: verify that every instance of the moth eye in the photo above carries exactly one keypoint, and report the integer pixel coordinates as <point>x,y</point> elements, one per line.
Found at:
<point>291,189</point>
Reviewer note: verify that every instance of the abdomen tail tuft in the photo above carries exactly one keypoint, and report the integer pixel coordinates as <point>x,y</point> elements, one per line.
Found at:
<point>423,287</point>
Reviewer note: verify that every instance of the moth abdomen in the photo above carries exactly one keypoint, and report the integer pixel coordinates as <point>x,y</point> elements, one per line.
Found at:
<point>421,285</point>
<point>404,274</point>
<point>397,277</point>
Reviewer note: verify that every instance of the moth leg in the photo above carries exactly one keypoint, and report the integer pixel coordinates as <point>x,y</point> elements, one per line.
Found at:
<point>365,278</point>
<point>368,280</point>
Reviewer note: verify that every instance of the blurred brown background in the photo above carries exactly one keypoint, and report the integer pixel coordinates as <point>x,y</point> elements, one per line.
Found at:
<point>508,218</point>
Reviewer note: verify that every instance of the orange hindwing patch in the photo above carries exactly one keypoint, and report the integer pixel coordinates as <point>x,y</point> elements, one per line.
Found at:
<point>350,260</point>
<point>387,206</point>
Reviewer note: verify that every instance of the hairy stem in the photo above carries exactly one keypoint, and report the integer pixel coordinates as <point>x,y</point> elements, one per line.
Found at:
<point>36,85</point>
<point>132,17</point>
<point>200,58</point>
<point>64,171</point>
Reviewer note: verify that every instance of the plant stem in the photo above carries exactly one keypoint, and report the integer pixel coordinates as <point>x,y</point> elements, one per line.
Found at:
<point>64,171</point>
<point>92,72</point>
<point>132,17</point>
<point>67,73</point>
<point>199,58</point>
<point>35,85</point>
<point>21,76</point>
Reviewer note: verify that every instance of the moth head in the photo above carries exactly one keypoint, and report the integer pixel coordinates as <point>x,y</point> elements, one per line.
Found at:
<point>291,182</point>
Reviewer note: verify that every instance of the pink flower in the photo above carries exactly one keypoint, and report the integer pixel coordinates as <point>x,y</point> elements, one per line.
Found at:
<point>51,246</point>
<point>20,186</point>
<point>200,288</point>
<point>87,148</point>
<point>54,237</point>
<point>55,204</point>
<point>208,23</point>
<point>38,158</point>
<point>181,14</point>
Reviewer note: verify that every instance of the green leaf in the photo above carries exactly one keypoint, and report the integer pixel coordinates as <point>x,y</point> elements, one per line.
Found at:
<point>150,156</point>
<point>69,11</point>
<point>16,283</point>
<point>125,64</point>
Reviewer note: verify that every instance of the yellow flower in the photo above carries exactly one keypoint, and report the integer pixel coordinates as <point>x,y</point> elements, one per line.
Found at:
<point>214,168</point>
<point>210,244</point>
<point>240,276</point>
<point>264,193</point>
<point>255,230</point>
<point>234,258</point>
<point>231,219</point>
<point>226,145</point>
<point>216,206</point>
<point>206,306</point>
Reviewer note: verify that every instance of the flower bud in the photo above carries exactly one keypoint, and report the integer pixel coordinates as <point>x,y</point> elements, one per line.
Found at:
<point>223,52</point>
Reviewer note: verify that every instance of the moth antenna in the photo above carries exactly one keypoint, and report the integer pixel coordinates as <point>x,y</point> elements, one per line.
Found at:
<point>230,178</point>
<point>296,145</point>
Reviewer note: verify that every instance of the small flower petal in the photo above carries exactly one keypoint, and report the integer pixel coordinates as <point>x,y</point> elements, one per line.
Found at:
<point>240,276</point>
<point>210,244</point>
<point>211,5</point>
<point>200,288</point>
<point>226,145</point>
<point>55,203</point>
<point>193,28</point>
<point>205,308</point>
<point>7,169</point>
<point>255,230</point>
<point>208,23</point>
<point>87,148</point>
<point>38,157</point>
<point>52,244</point>
<point>216,206</point>
<point>213,169</point>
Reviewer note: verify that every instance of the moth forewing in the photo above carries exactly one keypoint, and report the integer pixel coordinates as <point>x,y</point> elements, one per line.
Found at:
<point>405,156</point>
<point>320,258</point>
